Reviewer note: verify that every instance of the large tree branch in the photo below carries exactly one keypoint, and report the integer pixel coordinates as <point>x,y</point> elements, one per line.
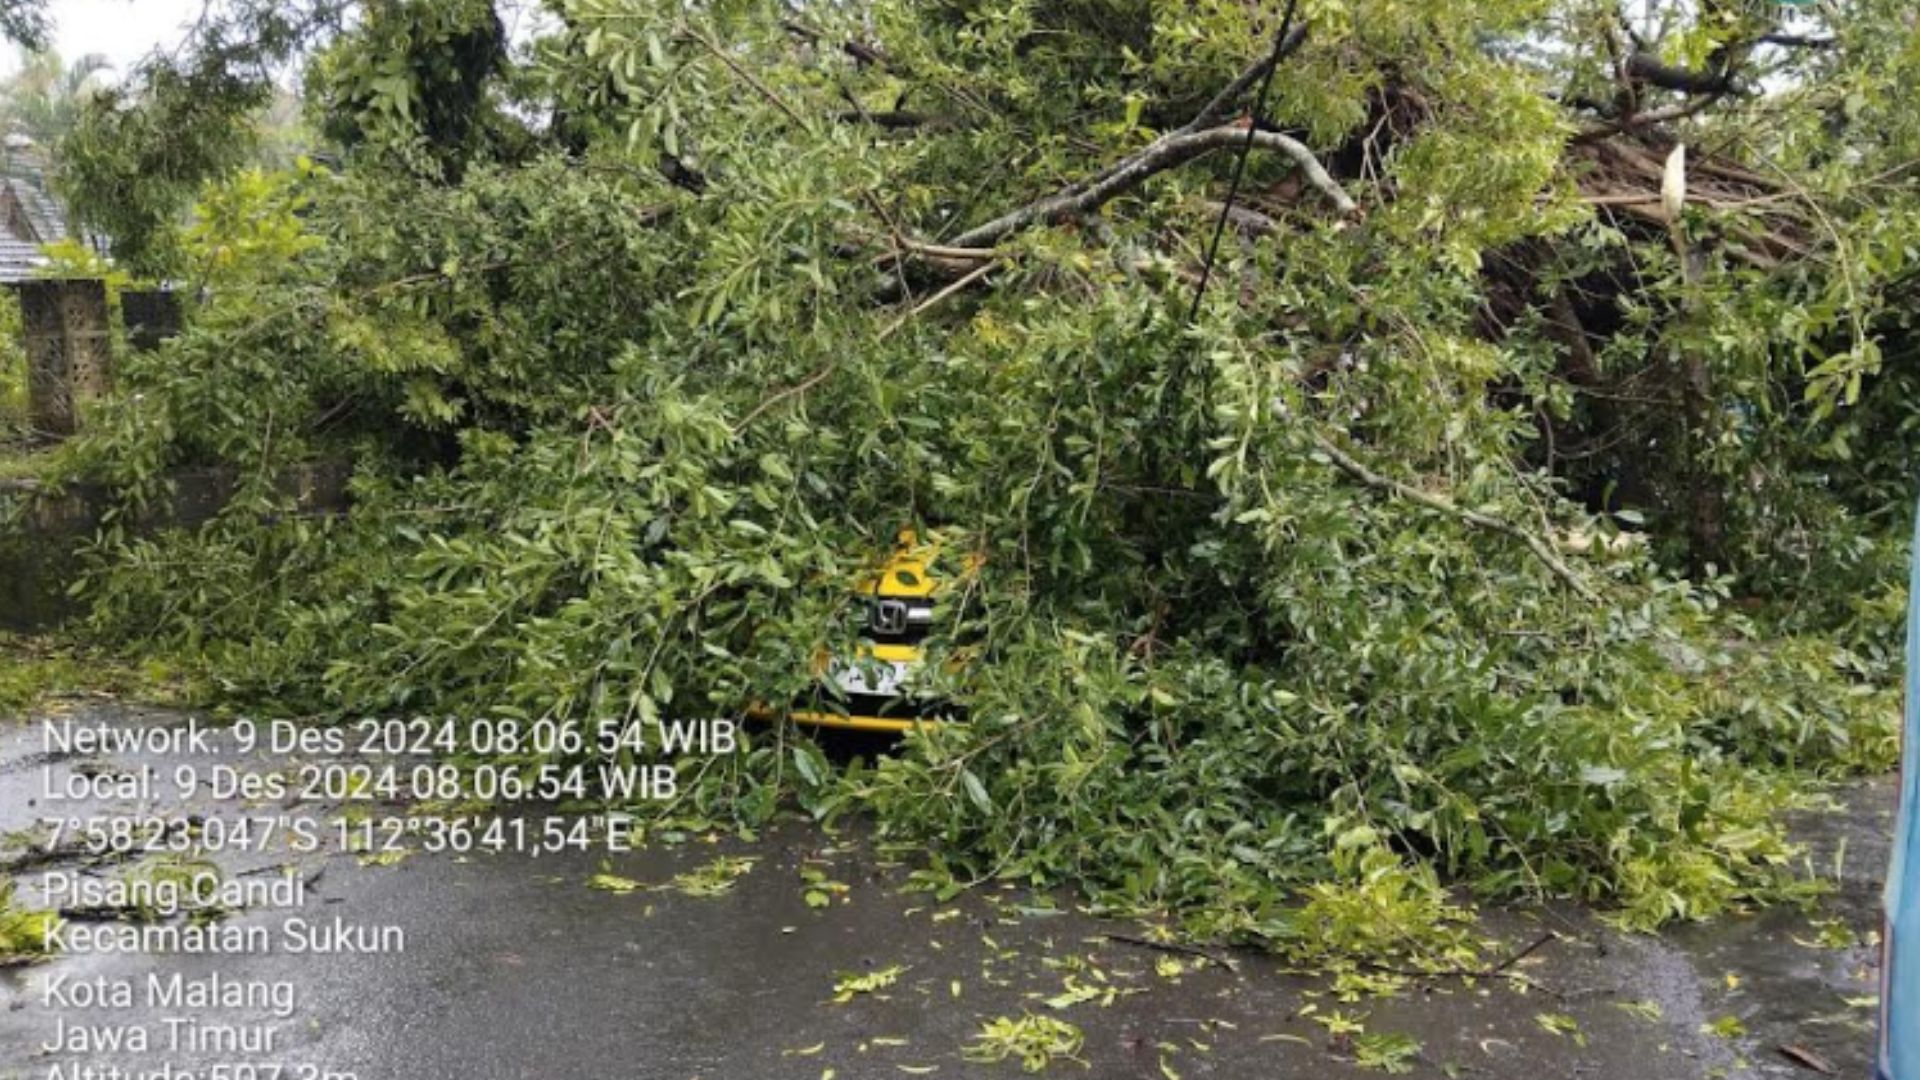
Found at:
<point>1215,111</point>
<point>1642,67</point>
<point>1645,67</point>
<point>1162,154</point>
<point>1798,41</point>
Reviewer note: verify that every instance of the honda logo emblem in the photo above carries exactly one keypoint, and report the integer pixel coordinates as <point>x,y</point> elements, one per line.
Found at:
<point>889,616</point>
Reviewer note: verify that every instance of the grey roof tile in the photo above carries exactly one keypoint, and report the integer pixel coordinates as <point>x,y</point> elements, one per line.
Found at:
<point>19,259</point>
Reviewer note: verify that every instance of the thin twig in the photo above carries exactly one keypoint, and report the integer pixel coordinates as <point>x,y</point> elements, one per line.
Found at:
<point>1455,971</point>
<point>827,369</point>
<point>744,75</point>
<point>1177,948</point>
<point>1646,119</point>
<point>960,283</point>
<point>1541,550</point>
<point>795,390</point>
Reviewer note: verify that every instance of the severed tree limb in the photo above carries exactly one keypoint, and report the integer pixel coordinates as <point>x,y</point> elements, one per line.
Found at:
<point>1636,66</point>
<point>1162,154</point>
<point>1350,465</point>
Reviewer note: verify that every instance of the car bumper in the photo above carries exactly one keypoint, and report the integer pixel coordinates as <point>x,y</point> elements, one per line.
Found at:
<point>894,725</point>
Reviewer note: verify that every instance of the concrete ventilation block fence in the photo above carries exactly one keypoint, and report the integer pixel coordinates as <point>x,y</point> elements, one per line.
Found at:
<point>69,346</point>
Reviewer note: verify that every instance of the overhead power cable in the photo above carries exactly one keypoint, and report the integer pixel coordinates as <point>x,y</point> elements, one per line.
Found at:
<point>1240,166</point>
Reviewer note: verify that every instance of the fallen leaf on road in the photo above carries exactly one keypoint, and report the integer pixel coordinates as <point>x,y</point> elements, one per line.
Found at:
<point>1725,1027</point>
<point>613,883</point>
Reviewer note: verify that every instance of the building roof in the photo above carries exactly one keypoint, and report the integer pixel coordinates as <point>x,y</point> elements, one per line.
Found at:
<point>30,214</point>
<point>45,213</point>
<point>19,259</point>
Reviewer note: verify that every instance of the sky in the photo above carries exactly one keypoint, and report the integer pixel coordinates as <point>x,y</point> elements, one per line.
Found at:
<point>121,30</point>
<point>124,31</point>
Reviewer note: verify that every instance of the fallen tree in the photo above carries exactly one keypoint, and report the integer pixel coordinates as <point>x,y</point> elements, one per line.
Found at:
<point>1281,619</point>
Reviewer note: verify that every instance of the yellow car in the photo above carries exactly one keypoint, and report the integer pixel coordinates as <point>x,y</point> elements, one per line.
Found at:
<point>877,684</point>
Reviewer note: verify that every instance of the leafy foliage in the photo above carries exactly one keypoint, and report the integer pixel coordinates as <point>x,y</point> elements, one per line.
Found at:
<point>138,153</point>
<point>1386,1051</point>
<point>32,669</point>
<point>13,372</point>
<point>23,931</point>
<point>43,99</point>
<point>1482,527</point>
<point>1034,1041</point>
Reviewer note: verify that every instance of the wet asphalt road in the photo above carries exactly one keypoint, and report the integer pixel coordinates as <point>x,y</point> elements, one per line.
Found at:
<point>514,968</point>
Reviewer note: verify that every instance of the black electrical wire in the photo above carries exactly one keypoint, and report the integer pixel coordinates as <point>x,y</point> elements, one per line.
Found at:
<point>1240,166</point>
<point>1173,389</point>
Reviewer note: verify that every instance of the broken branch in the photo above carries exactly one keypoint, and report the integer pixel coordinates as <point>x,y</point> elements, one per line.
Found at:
<point>1164,153</point>
<point>1352,467</point>
<point>1650,118</point>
